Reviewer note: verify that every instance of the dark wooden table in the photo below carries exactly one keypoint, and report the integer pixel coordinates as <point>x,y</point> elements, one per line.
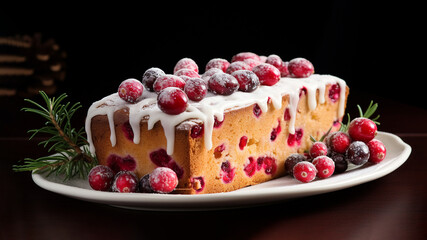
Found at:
<point>392,207</point>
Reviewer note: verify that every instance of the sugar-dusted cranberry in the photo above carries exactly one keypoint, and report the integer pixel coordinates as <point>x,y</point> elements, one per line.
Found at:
<point>150,76</point>
<point>339,142</point>
<point>131,90</point>
<point>144,184</point>
<point>168,80</point>
<point>117,163</point>
<point>218,63</point>
<point>101,178</point>
<point>163,180</point>
<point>161,159</point>
<point>274,60</point>
<point>334,92</point>
<point>196,89</point>
<point>217,123</point>
<point>267,74</point>
<point>357,153</point>
<point>257,110</point>
<point>248,80</point>
<point>242,142</point>
<point>239,65</point>
<point>362,129</point>
<point>250,167</point>
<point>325,166</point>
<point>223,84</point>
<point>377,151</point>
<point>245,55</point>
<point>197,131</point>
<point>187,63</point>
<point>127,131</point>
<point>275,132</point>
<point>292,160</point>
<point>252,63</point>
<point>125,182</point>
<point>284,71</point>
<point>197,183</point>
<point>209,73</point>
<point>227,172</point>
<point>318,149</point>
<point>172,100</point>
<point>287,115</point>
<point>295,139</point>
<point>300,68</point>
<point>340,161</point>
<point>268,164</point>
<point>187,72</point>
<point>304,171</point>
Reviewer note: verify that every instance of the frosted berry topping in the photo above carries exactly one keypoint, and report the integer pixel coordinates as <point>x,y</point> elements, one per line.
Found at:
<point>101,178</point>
<point>172,100</point>
<point>274,60</point>
<point>196,89</point>
<point>163,180</point>
<point>239,65</point>
<point>223,84</point>
<point>377,151</point>
<point>362,129</point>
<point>284,71</point>
<point>168,80</point>
<point>187,72</point>
<point>245,55</point>
<point>248,80</point>
<point>150,76</point>
<point>325,166</point>
<point>125,182</point>
<point>131,90</point>
<point>187,63</point>
<point>304,172</point>
<point>300,68</point>
<point>209,73</point>
<point>267,74</point>
<point>218,63</point>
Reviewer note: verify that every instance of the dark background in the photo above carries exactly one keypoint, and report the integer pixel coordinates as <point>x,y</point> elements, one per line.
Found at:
<point>374,47</point>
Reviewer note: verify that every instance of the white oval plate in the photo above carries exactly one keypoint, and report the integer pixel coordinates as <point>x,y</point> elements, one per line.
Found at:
<point>272,191</point>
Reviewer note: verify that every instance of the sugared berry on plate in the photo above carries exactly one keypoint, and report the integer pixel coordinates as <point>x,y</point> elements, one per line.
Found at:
<point>219,63</point>
<point>325,166</point>
<point>125,182</point>
<point>362,129</point>
<point>318,149</point>
<point>300,68</point>
<point>339,142</point>
<point>358,153</point>
<point>304,172</point>
<point>239,65</point>
<point>150,76</point>
<point>196,89</point>
<point>168,80</point>
<point>163,180</point>
<point>377,151</point>
<point>172,100</point>
<point>292,160</point>
<point>267,74</point>
<point>245,55</point>
<point>248,80</point>
<point>144,184</point>
<point>223,84</point>
<point>186,63</point>
<point>101,178</point>
<point>131,90</point>
<point>341,163</point>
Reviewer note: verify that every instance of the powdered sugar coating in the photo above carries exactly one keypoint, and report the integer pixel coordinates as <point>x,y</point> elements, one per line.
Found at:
<point>186,63</point>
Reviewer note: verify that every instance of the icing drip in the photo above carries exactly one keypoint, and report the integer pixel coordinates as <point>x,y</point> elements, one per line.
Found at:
<point>213,106</point>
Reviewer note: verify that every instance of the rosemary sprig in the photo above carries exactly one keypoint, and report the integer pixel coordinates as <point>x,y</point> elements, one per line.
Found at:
<point>367,114</point>
<point>72,156</point>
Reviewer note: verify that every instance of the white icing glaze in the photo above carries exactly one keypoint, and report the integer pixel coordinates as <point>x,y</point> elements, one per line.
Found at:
<point>213,106</point>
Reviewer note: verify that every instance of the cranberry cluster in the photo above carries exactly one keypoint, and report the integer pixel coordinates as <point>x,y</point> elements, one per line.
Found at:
<point>161,180</point>
<point>245,72</point>
<point>333,153</point>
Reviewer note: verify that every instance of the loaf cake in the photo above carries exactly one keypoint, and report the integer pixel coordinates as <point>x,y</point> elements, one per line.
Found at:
<point>220,143</point>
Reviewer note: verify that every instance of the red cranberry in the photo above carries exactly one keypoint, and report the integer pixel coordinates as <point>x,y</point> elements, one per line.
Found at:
<point>186,63</point>
<point>295,138</point>
<point>127,131</point>
<point>101,178</point>
<point>325,166</point>
<point>209,73</point>
<point>284,71</point>
<point>163,180</point>
<point>250,167</point>
<point>168,80</point>
<point>292,160</point>
<point>257,111</point>
<point>275,132</point>
<point>239,65</point>
<point>267,74</point>
<point>223,84</point>
<point>197,131</point>
<point>287,115</point>
<point>219,63</point>
<point>196,89</point>
<point>217,123</point>
<point>362,129</point>
<point>125,182</point>
<point>150,76</point>
<point>318,149</point>
<point>117,163</point>
<point>227,172</point>
<point>340,161</point>
<point>245,55</point>
<point>334,92</point>
<point>161,159</point>
<point>172,100</point>
<point>187,72</point>
<point>248,80</point>
<point>300,68</point>
<point>198,183</point>
<point>252,63</point>
<point>144,184</point>
<point>304,172</point>
<point>243,141</point>
<point>302,92</point>
<point>357,153</point>
<point>274,60</point>
<point>131,90</point>
<point>339,142</point>
<point>377,151</point>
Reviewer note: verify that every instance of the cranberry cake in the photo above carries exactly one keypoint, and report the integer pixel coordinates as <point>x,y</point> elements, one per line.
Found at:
<point>221,142</point>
